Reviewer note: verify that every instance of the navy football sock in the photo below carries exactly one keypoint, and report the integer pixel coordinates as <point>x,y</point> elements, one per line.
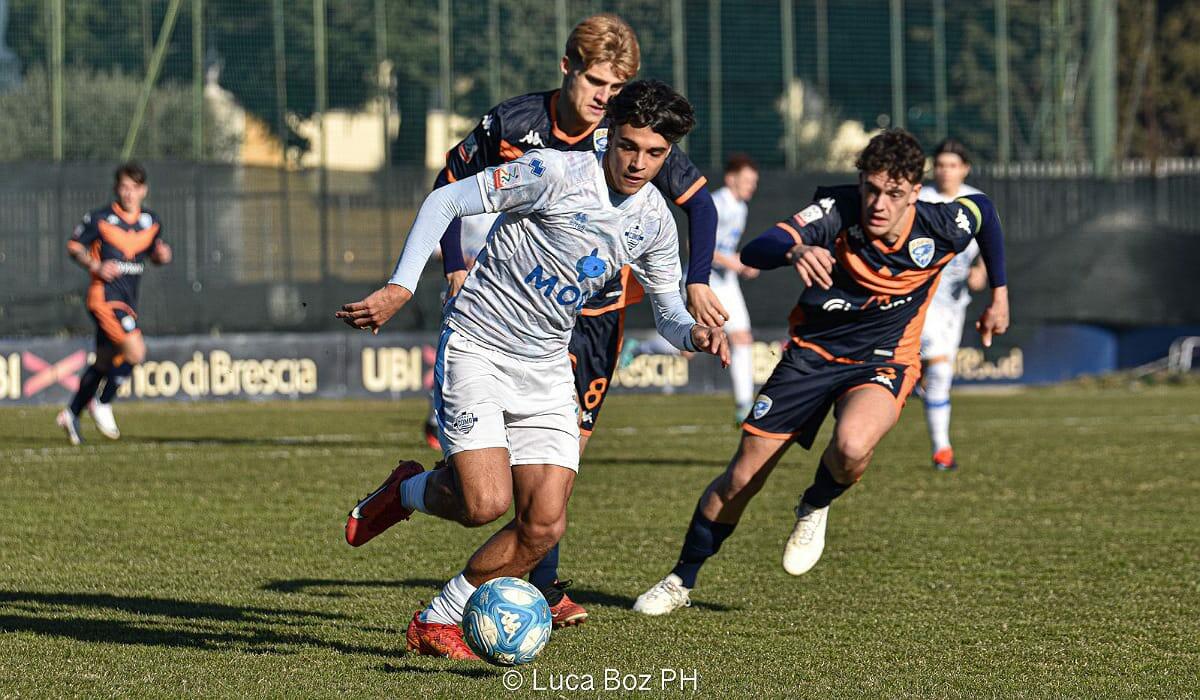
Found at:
<point>545,574</point>
<point>116,377</point>
<point>824,488</point>
<point>704,538</point>
<point>88,383</point>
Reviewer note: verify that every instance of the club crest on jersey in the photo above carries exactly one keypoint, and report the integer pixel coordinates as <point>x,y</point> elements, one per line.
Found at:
<point>590,266</point>
<point>507,176</point>
<point>633,237</point>
<point>921,251</point>
<point>600,140</point>
<point>463,422</point>
<point>809,214</point>
<point>145,220</point>
<point>112,219</point>
<point>762,405</point>
<point>467,149</point>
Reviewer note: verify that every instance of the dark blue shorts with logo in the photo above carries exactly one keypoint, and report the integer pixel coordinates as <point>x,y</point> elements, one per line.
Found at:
<point>793,403</point>
<point>595,348</point>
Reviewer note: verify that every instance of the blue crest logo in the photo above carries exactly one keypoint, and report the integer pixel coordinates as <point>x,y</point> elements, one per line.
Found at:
<point>634,236</point>
<point>761,406</point>
<point>600,140</point>
<point>921,251</point>
<point>590,266</point>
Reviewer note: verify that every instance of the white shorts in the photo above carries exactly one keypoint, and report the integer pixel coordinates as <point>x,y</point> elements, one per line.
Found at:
<point>942,332</point>
<point>484,398</point>
<point>729,291</point>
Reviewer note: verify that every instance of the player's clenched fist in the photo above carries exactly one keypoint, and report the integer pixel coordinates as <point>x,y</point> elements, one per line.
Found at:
<point>814,265</point>
<point>712,341</point>
<point>704,306</point>
<point>376,309</point>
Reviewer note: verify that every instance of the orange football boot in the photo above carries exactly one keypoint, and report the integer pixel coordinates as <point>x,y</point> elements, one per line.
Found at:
<point>436,639</point>
<point>382,509</point>
<point>943,460</point>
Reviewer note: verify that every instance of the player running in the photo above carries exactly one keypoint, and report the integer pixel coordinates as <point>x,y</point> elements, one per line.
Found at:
<point>600,56</point>
<point>869,256</point>
<point>943,329</point>
<point>505,395</point>
<point>741,180</point>
<point>113,244</point>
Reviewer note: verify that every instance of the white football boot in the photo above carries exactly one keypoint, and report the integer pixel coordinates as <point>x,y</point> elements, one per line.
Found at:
<point>69,422</point>
<point>103,415</point>
<point>807,541</point>
<point>663,597</point>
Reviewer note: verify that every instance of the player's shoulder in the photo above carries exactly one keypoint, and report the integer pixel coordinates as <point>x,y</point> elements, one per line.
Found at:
<point>957,217</point>
<point>521,114</point>
<point>148,218</point>
<point>837,202</point>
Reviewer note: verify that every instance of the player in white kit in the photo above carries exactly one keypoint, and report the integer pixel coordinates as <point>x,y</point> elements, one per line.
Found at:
<point>947,312</point>
<point>505,390</point>
<point>741,180</point>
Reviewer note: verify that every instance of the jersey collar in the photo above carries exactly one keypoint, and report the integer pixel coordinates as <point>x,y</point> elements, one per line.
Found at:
<point>126,216</point>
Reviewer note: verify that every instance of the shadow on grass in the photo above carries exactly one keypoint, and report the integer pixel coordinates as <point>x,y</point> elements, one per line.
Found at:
<point>319,586</point>
<point>187,624</point>
<point>451,667</point>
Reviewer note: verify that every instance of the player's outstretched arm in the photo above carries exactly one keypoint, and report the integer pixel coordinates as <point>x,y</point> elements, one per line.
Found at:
<point>990,236</point>
<point>441,207</point>
<point>778,247</point>
<point>702,301</point>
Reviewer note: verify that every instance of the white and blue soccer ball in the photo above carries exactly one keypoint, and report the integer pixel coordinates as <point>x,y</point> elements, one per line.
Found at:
<point>507,621</point>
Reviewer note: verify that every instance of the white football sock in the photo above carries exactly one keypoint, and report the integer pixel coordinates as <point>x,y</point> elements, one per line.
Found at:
<point>938,377</point>
<point>447,607</point>
<point>741,371</point>
<point>412,491</point>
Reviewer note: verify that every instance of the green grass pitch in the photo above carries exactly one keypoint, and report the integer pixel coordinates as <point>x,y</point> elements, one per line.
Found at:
<point>202,555</point>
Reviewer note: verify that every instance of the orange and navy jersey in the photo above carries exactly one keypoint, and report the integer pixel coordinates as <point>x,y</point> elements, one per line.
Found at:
<point>111,233</point>
<point>875,308</point>
<point>530,121</point>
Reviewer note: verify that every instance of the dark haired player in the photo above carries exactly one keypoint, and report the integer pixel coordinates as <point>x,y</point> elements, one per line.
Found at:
<point>600,57</point>
<point>869,255</point>
<point>503,382</point>
<point>113,243</point>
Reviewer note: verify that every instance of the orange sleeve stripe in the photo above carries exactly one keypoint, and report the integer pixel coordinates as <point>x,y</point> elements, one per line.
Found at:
<point>691,190</point>
<point>509,151</point>
<point>788,227</point>
<point>763,433</point>
<point>450,176</point>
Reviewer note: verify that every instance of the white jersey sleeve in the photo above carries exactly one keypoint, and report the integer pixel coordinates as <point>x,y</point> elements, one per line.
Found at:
<point>525,185</point>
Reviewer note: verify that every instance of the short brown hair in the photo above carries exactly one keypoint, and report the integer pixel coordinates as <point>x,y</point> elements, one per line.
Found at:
<point>605,38</point>
<point>896,152</point>
<point>654,104</point>
<point>739,162</point>
<point>130,169</point>
<point>953,146</point>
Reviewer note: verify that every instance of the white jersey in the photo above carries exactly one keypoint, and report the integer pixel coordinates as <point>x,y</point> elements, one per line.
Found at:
<point>952,290</point>
<point>561,238</point>
<point>475,230</point>
<point>731,223</point>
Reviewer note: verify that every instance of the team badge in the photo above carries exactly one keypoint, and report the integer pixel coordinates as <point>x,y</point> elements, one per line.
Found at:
<point>921,251</point>
<point>129,324</point>
<point>464,422</point>
<point>590,266</point>
<point>600,139</point>
<point>809,214</point>
<point>633,237</point>
<point>145,220</point>
<point>467,149</point>
<point>506,176</point>
<point>112,219</point>
<point>762,405</point>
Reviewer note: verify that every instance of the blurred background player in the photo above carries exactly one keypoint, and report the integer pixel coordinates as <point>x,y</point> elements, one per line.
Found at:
<point>869,256</point>
<point>506,400</point>
<point>600,57</point>
<point>943,330</point>
<point>113,243</point>
<point>741,180</point>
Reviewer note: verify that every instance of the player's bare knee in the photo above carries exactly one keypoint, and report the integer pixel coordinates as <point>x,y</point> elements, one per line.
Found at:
<point>541,535</point>
<point>481,509</point>
<point>854,452</point>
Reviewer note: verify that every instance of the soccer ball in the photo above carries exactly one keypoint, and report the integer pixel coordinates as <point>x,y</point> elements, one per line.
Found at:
<point>507,622</point>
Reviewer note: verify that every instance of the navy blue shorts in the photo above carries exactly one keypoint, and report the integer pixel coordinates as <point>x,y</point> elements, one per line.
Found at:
<point>793,403</point>
<point>595,348</point>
